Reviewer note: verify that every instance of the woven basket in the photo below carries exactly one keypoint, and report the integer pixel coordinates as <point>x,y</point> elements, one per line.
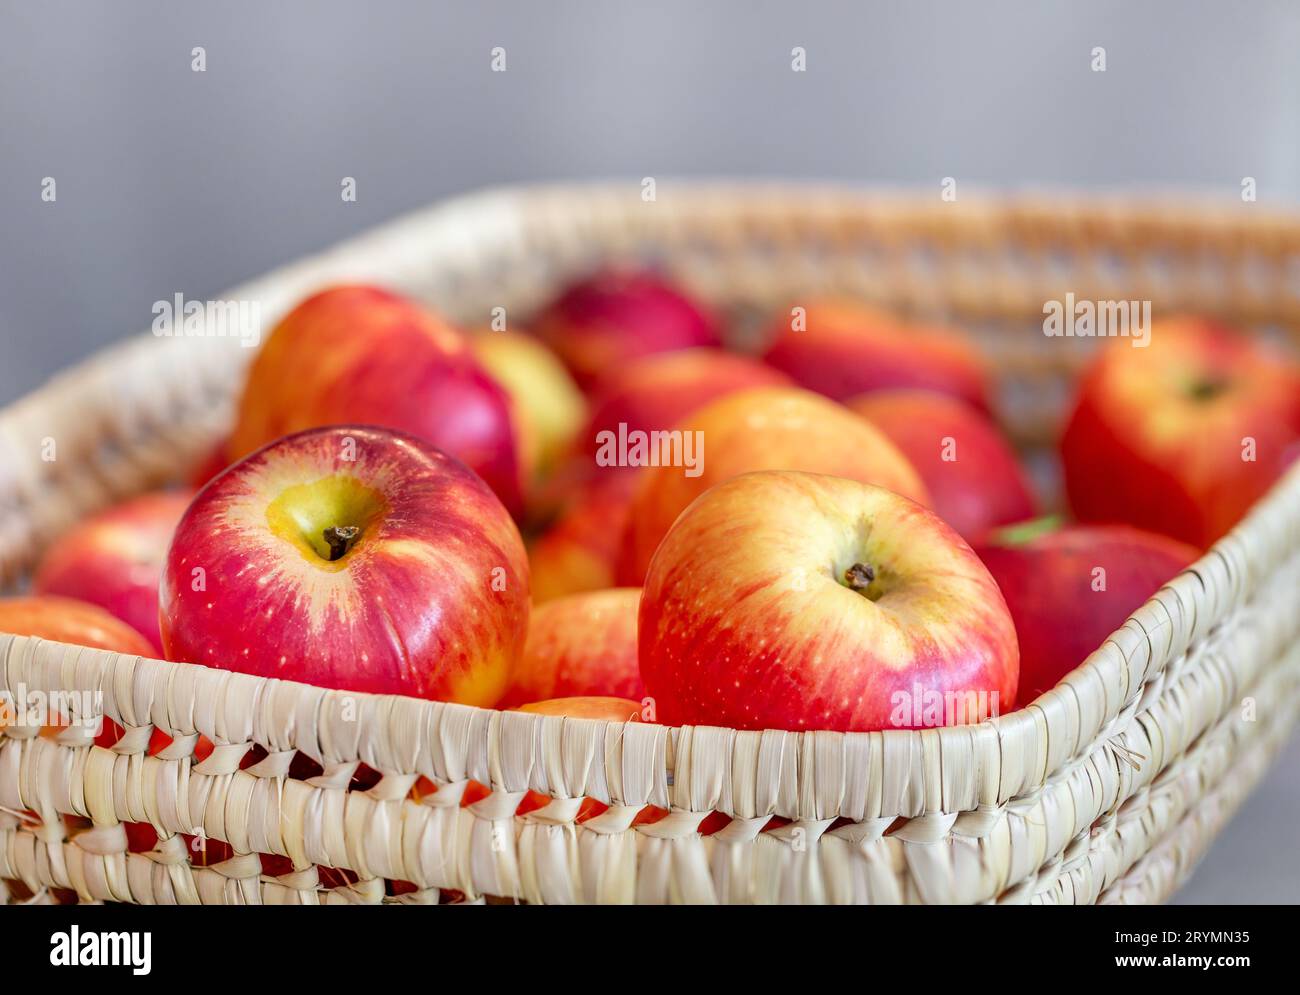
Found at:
<point>1106,789</point>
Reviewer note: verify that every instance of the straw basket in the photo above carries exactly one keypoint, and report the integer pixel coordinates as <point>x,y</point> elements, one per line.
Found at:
<point>1107,789</point>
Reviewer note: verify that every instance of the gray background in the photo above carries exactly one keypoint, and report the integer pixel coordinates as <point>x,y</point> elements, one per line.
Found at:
<point>174,181</point>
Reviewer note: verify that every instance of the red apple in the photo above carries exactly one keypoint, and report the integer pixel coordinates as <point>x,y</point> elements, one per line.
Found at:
<point>972,474</point>
<point>360,355</point>
<point>114,559</point>
<point>784,600</point>
<point>592,707</point>
<point>67,620</point>
<point>768,428</point>
<point>549,405</point>
<point>580,549</point>
<point>580,645</point>
<point>1069,589</point>
<point>1183,436</point>
<point>607,320</point>
<point>351,558</point>
<point>659,391</point>
<point>842,348</point>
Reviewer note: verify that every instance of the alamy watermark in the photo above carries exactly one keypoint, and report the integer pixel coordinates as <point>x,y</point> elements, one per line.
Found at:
<point>34,708</point>
<point>1073,318</point>
<point>929,708</point>
<point>74,948</point>
<point>636,447</point>
<point>183,318</point>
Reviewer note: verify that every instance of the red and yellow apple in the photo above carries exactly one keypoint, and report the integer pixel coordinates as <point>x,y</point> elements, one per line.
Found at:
<point>1183,436</point>
<point>602,707</point>
<point>1070,588</point>
<point>657,392</point>
<point>114,559</point>
<point>842,348</point>
<point>67,620</point>
<point>786,600</point>
<point>360,355</point>
<point>580,549</point>
<point>768,428</point>
<point>972,475</point>
<point>611,318</point>
<point>351,558</point>
<point>579,646</point>
<point>550,407</point>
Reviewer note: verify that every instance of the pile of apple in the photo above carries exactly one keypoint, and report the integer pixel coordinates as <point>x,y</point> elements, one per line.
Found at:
<point>830,534</point>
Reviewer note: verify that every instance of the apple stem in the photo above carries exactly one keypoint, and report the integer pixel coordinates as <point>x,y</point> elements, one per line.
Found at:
<point>859,577</point>
<point>1208,389</point>
<point>340,538</point>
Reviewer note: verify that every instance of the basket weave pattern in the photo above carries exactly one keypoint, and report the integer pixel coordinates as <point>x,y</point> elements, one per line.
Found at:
<point>1106,789</point>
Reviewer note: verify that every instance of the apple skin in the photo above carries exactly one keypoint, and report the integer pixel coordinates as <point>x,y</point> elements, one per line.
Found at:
<point>1048,585</point>
<point>578,646</point>
<point>613,317</point>
<point>982,485</point>
<point>550,407</point>
<point>609,709</point>
<point>657,392</point>
<point>1155,438</point>
<point>747,621</point>
<point>846,348</point>
<point>67,620</point>
<point>768,428</point>
<point>114,559</point>
<point>580,550</point>
<point>430,600</point>
<point>361,355</point>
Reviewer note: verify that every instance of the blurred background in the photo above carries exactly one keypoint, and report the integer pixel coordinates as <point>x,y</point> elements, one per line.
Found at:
<point>175,181</point>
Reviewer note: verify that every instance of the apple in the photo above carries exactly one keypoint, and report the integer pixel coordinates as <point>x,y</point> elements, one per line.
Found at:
<point>361,355</point>
<point>1070,588</point>
<point>609,709</point>
<point>971,472</point>
<point>788,600</point>
<point>613,317</point>
<point>580,645</point>
<point>550,407</point>
<point>1183,436</point>
<point>768,428</point>
<point>67,620</point>
<point>81,623</point>
<point>114,559</point>
<point>580,549</point>
<point>659,391</point>
<point>842,348</point>
<point>352,558</point>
